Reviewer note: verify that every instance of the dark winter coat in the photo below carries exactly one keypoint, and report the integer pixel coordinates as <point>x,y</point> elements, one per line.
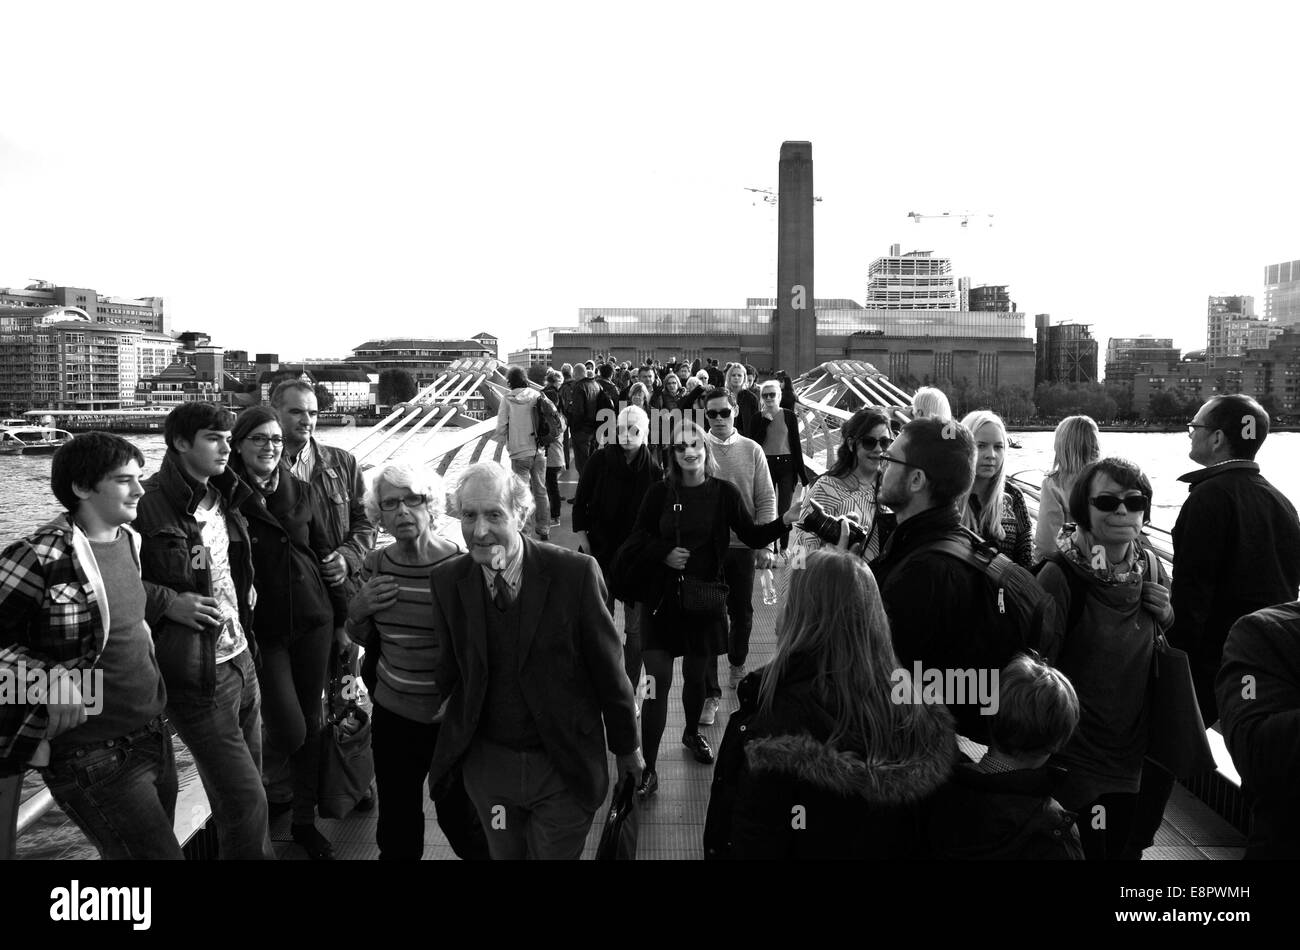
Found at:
<point>999,816</point>
<point>781,792</point>
<point>609,496</point>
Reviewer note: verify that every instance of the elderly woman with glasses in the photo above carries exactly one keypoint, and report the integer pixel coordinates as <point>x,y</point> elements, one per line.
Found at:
<point>1114,593</point>
<point>777,431</point>
<point>295,614</point>
<point>391,617</point>
<point>850,486</point>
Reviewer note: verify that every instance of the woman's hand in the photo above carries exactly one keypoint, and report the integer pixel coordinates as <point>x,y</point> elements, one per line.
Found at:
<point>677,558</point>
<point>376,594</point>
<point>1155,598</point>
<point>796,506</point>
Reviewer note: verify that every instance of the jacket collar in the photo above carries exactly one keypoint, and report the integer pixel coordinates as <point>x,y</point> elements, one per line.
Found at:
<point>1194,478</point>
<point>535,580</point>
<point>186,493</point>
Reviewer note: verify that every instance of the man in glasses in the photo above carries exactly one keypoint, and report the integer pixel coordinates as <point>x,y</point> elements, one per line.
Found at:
<point>740,461</point>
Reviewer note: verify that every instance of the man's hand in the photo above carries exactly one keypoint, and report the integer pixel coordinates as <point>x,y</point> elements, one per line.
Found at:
<point>334,569</point>
<point>584,545</point>
<point>843,543</point>
<point>194,611</point>
<point>796,505</point>
<point>632,762</point>
<point>376,594</point>
<point>65,707</point>
<point>677,558</point>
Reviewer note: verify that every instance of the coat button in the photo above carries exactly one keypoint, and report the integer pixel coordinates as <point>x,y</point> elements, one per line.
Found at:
<point>742,728</point>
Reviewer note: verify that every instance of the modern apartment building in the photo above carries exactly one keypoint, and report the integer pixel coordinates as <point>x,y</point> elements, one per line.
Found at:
<point>1282,293</point>
<point>143,313</point>
<point>1123,354</point>
<point>1231,327</point>
<point>59,359</point>
<point>911,281</point>
<point>992,298</point>
<point>1190,377</point>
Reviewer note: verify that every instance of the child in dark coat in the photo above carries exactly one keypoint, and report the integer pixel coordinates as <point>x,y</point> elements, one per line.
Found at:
<point>1001,808</point>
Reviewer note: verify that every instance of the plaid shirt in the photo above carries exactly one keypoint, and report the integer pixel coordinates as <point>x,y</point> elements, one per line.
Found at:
<point>50,615</point>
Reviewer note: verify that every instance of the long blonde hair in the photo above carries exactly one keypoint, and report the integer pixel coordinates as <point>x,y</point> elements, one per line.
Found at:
<point>1076,446</point>
<point>989,523</point>
<point>834,618</point>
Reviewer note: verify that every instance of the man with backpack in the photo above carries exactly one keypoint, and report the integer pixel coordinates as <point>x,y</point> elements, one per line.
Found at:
<point>526,421</point>
<point>948,609</point>
<point>586,399</point>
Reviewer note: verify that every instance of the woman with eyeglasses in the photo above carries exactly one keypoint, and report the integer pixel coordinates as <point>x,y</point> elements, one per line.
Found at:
<point>777,431</point>
<point>850,486</point>
<point>995,510</point>
<point>610,491</point>
<point>1114,593</point>
<point>295,615</point>
<point>391,616</point>
<point>683,529</point>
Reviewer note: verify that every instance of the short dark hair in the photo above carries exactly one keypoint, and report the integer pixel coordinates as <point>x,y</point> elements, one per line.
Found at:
<point>1127,475</point>
<point>187,419</point>
<point>277,394</point>
<point>85,461</point>
<point>945,451</point>
<point>516,378</point>
<point>250,419</point>
<point>719,392</point>
<point>1226,413</point>
<point>1038,708</point>
<point>605,370</point>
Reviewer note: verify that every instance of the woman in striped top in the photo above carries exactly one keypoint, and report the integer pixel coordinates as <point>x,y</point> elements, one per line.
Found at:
<point>849,486</point>
<point>391,614</point>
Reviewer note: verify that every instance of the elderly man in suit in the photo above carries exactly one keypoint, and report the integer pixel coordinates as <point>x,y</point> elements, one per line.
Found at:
<point>531,665</point>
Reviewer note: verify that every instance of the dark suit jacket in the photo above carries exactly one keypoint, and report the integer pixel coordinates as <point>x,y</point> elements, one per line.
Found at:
<point>570,667</point>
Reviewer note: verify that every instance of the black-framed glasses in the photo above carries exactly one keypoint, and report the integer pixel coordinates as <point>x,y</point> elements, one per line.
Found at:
<point>1109,503</point>
<point>260,439</point>
<point>893,458</point>
<point>870,441</point>
<point>411,502</point>
<point>719,413</point>
<point>1193,426</point>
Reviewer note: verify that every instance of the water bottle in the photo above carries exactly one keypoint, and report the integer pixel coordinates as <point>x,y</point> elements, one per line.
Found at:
<point>769,587</point>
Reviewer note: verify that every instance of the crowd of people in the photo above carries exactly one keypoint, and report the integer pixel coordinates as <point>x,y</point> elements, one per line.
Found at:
<point>213,597</point>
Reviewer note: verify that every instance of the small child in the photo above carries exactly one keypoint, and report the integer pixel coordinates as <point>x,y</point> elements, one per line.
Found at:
<point>1001,808</point>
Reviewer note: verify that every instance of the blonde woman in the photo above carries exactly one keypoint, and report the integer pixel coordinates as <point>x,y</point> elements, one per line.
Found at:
<point>1076,446</point>
<point>995,510</point>
<point>820,733</point>
<point>931,403</point>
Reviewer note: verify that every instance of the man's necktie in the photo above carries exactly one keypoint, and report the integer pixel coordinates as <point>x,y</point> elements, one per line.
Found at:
<point>501,592</point>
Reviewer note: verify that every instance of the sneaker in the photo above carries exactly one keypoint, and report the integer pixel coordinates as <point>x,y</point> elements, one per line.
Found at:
<point>699,747</point>
<point>709,715</point>
<point>737,674</point>
<point>649,784</point>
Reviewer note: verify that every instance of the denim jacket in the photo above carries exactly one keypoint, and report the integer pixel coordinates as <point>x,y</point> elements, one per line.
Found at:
<point>171,563</point>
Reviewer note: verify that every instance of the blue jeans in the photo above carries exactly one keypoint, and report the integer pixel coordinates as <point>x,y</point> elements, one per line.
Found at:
<point>533,471</point>
<point>121,793</point>
<point>225,739</point>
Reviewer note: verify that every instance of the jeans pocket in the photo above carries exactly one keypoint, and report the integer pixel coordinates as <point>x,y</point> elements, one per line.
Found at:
<point>86,771</point>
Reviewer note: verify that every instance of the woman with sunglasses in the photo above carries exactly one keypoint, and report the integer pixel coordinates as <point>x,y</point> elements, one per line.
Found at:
<point>391,616</point>
<point>777,431</point>
<point>850,486</point>
<point>1114,594</point>
<point>295,615</point>
<point>683,529</point>
<point>995,510</point>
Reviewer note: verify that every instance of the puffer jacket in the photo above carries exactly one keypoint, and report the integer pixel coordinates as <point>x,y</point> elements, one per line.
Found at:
<point>170,564</point>
<point>1003,816</point>
<point>515,422</point>
<point>780,791</point>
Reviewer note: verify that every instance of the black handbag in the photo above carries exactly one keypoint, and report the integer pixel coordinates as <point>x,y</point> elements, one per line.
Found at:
<point>696,596</point>
<point>619,836</point>
<point>347,765</point>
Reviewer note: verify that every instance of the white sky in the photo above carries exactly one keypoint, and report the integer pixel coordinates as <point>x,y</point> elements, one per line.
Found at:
<point>300,177</point>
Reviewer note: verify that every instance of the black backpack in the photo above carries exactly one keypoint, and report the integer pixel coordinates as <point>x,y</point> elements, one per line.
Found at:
<point>1023,614</point>
<point>547,426</point>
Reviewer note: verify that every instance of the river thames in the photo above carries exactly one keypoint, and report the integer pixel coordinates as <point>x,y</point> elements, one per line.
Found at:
<point>26,501</point>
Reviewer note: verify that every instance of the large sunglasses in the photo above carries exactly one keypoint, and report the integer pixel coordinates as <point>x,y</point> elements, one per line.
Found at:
<point>1131,503</point>
<point>870,441</point>
<point>719,413</point>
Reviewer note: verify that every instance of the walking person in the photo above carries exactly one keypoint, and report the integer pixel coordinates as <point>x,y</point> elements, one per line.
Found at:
<point>517,428</point>
<point>556,448</point>
<point>295,620</point>
<point>391,617</point>
<point>777,431</point>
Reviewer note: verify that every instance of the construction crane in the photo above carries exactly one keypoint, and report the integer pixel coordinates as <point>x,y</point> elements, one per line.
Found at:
<point>963,216</point>
<point>769,195</point>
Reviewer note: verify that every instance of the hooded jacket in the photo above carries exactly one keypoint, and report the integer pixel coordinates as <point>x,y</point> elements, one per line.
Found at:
<point>780,791</point>
<point>515,422</point>
<point>1003,816</point>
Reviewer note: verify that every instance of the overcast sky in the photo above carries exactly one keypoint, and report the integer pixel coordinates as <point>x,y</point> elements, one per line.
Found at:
<point>300,177</point>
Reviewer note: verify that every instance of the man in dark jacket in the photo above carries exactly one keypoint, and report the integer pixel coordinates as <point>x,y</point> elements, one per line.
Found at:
<point>197,559</point>
<point>1259,697</point>
<point>1236,540</point>
<point>586,402</point>
<point>938,606</point>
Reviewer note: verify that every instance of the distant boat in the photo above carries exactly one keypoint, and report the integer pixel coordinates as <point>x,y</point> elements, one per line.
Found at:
<point>1013,443</point>
<point>31,440</point>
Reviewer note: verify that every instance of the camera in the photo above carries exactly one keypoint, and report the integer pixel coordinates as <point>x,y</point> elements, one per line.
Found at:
<point>827,528</point>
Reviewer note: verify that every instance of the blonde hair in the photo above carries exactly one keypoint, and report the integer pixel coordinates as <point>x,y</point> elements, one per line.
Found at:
<point>417,479</point>
<point>989,523</point>
<point>835,620</point>
<point>931,403</point>
<point>681,432</point>
<point>1076,446</point>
